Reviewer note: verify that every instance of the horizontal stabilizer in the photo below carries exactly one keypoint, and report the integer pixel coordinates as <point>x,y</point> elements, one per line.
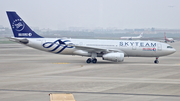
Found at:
<point>19,40</point>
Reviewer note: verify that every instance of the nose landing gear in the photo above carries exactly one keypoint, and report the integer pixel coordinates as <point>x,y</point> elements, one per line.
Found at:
<point>156,61</point>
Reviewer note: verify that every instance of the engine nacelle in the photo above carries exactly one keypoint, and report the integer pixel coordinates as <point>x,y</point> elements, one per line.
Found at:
<point>117,57</point>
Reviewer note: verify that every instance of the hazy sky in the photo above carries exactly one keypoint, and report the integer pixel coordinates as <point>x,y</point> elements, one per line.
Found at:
<point>61,14</point>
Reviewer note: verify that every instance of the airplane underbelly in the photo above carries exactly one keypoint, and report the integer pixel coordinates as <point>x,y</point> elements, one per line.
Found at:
<point>68,51</point>
<point>148,53</point>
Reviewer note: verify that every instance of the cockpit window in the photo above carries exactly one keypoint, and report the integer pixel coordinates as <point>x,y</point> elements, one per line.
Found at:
<point>169,47</point>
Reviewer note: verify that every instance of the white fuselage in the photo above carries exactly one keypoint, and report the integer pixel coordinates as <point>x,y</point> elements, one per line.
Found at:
<point>128,47</point>
<point>130,38</point>
<point>169,39</point>
<point>133,37</point>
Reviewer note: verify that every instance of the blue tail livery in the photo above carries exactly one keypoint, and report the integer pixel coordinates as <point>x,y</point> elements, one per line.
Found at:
<point>19,27</point>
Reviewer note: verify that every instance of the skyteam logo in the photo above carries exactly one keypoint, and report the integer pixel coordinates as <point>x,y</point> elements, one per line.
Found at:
<point>57,46</point>
<point>18,24</point>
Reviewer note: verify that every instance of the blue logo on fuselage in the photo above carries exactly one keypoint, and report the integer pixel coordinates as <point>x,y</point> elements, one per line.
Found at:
<point>58,45</point>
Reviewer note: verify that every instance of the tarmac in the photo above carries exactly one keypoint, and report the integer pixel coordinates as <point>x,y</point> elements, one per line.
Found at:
<point>28,74</point>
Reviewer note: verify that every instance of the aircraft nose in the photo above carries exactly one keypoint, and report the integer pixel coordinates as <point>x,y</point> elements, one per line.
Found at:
<point>173,50</point>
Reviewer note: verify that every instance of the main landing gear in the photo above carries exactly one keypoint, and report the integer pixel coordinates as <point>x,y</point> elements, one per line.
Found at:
<point>156,61</point>
<point>93,60</point>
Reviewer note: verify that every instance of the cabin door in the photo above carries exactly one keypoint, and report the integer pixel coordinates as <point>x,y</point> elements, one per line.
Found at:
<point>159,47</point>
<point>134,47</point>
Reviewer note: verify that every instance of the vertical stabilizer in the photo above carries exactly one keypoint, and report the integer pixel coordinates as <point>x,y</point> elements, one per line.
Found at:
<point>19,27</point>
<point>165,35</point>
<point>141,35</point>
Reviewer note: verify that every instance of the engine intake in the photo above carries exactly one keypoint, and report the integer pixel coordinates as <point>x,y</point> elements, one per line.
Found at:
<point>117,57</point>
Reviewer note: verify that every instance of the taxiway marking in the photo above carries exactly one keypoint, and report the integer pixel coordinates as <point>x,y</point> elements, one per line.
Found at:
<point>61,63</point>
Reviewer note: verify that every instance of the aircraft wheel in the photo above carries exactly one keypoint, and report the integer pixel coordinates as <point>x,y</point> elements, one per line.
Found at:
<point>94,60</point>
<point>88,60</point>
<point>156,61</point>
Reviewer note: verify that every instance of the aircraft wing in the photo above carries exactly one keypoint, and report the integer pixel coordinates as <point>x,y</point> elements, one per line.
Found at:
<point>97,49</point>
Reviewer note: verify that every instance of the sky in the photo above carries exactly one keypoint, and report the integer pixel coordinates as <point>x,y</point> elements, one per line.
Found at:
<point>90,14</point>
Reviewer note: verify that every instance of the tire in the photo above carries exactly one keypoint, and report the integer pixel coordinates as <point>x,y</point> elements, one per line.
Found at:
<point>156,61</point>
<point>88,60</point>
<point>94,61</point>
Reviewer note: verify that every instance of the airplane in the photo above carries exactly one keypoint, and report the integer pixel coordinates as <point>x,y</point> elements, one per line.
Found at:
<point>168,39</point>
<point>112,50</point>
<point>130,38</point>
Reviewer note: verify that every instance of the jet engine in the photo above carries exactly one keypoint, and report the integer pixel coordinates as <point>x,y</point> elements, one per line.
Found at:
<point>117,57</point>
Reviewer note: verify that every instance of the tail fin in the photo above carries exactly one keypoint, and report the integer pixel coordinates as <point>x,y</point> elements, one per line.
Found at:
<point>141,34</point>
<point>19,27</point>
<point>165,35</point>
